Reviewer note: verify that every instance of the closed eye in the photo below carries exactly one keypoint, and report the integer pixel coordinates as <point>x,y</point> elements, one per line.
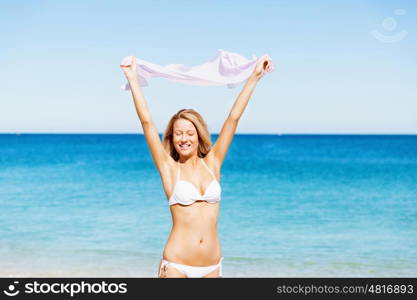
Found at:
<point>190,133</point>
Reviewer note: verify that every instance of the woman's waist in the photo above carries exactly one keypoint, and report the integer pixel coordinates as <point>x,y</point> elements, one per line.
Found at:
<point>193,249</point>
<point>194,237</point>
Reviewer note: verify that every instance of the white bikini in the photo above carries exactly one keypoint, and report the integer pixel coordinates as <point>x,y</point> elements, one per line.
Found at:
<point>185,193</point>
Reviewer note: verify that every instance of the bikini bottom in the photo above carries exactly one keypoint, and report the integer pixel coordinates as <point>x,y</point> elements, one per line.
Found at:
<point>190,271</point>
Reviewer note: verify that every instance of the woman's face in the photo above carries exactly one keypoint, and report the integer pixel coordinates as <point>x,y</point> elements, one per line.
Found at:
<point>185,137</point>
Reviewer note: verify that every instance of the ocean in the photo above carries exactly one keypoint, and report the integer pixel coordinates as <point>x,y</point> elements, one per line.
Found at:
<point>92,205</point>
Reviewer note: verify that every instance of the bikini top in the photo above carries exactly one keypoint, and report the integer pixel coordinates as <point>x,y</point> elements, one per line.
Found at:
<point>186,193</point>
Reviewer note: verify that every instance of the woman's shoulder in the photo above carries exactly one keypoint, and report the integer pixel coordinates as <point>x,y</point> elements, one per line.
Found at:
<point>210,160</point>
<point>169,176</point>
<point>169,167</point>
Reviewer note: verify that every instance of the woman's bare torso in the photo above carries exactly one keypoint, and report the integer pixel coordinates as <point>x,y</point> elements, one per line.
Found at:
<point>194,238</point>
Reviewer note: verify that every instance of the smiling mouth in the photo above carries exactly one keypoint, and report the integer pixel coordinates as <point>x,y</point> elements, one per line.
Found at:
<point>185,146</point>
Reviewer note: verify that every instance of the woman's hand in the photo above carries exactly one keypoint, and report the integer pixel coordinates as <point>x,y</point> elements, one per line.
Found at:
<point>264,65</point>
<point>130,69</point>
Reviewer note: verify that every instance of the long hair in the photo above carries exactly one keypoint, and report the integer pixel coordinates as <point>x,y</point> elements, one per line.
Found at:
<point>204,141</point>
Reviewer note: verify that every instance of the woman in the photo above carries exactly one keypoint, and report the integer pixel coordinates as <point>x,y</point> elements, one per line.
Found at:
<point>190,171</point>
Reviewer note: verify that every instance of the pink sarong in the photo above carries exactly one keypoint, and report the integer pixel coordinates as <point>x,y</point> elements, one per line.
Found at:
<point>226,68</point>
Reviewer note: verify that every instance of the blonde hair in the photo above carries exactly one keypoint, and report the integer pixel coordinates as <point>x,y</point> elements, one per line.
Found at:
<point>204,141</point>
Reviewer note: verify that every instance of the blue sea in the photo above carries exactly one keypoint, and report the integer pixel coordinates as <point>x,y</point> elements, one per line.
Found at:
<point>91,205</point>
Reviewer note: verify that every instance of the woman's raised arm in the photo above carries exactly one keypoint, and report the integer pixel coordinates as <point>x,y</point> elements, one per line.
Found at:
<point>159,155</point>
<point>227,132</point>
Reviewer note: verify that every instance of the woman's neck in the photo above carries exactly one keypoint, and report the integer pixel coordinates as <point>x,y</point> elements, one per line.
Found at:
<point>190,161</point>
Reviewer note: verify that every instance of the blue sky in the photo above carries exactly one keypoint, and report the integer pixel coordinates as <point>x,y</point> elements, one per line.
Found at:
<point>60,64</point>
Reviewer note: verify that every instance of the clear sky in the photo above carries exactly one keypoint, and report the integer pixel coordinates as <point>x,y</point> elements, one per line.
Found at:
<point>341,66</point>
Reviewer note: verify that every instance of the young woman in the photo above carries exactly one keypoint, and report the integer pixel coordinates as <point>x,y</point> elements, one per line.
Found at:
<point>190,171</point>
